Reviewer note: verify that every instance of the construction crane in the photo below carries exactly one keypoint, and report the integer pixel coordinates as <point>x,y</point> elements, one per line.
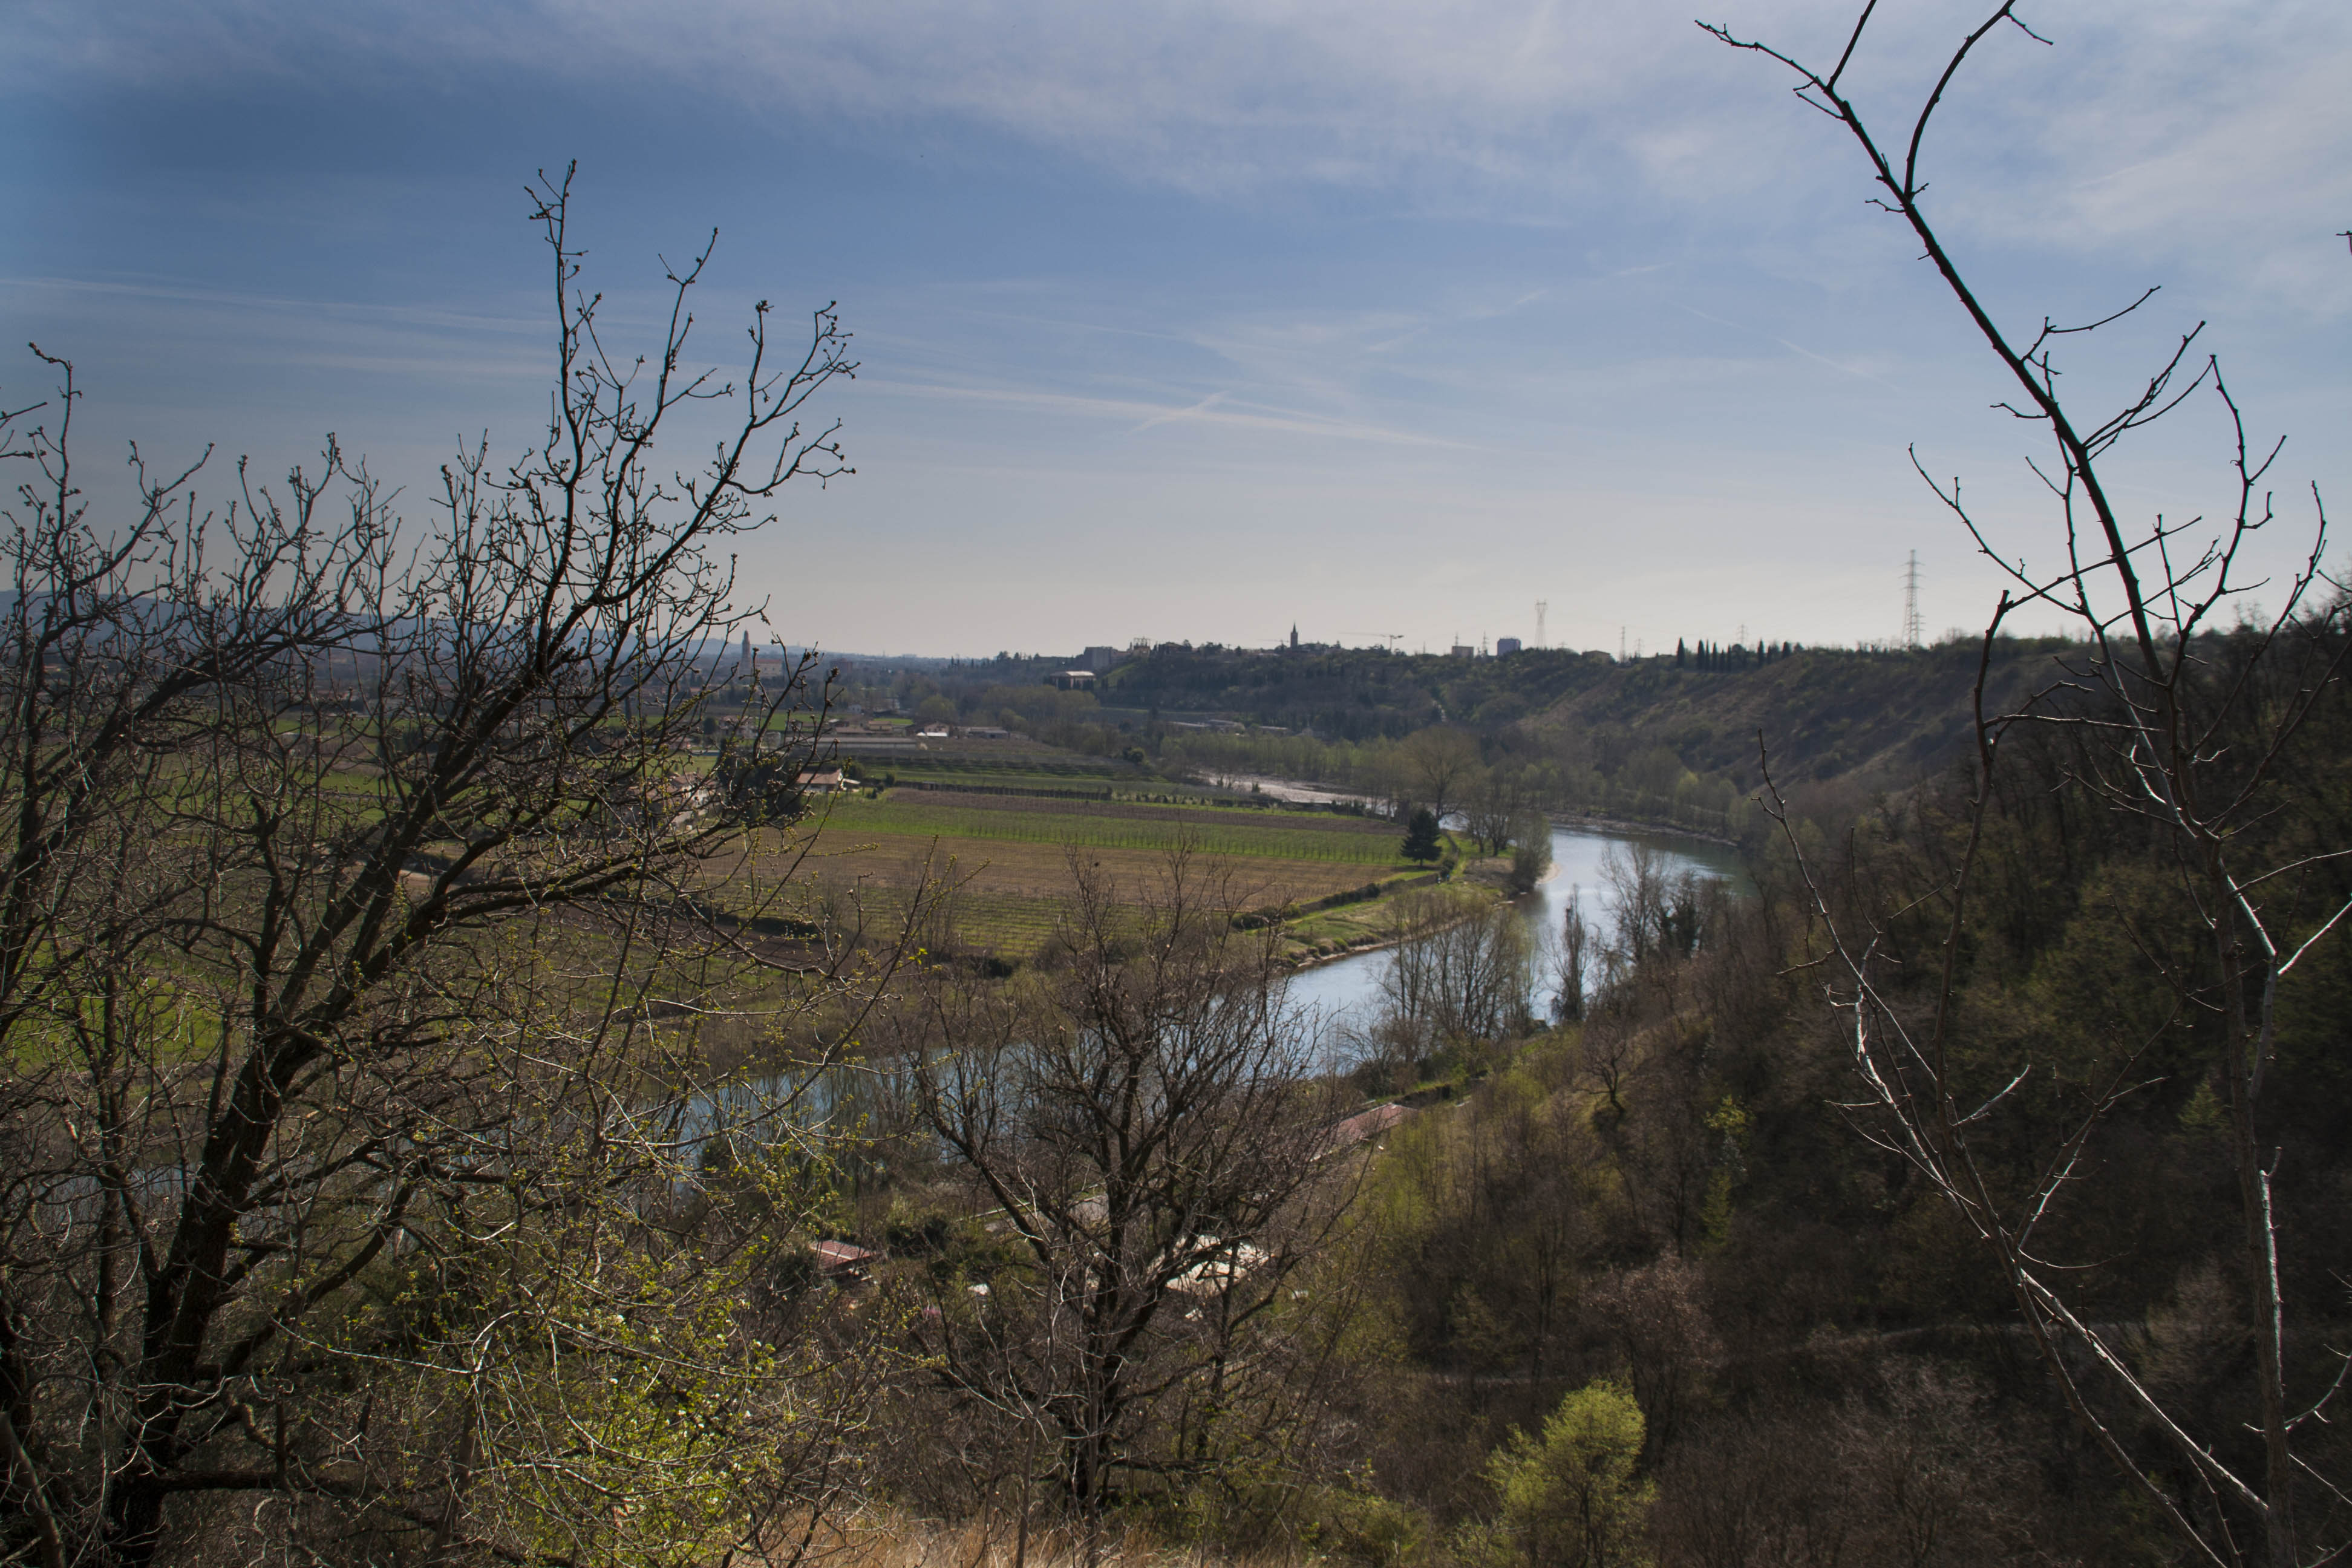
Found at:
<point>1390,638</point>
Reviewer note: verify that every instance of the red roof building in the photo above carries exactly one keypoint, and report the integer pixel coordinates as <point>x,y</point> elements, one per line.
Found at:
<point>1366,1124</point>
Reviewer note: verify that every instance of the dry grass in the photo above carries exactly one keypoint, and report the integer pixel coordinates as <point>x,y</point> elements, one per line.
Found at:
<point>1117,825</point>
<point>882,1541</point>
<point>1008,860</point>
<point>987,865</point>
<point>1010,893</point>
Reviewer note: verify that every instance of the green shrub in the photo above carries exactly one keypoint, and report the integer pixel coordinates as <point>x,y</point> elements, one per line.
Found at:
<point>1570,1496</point>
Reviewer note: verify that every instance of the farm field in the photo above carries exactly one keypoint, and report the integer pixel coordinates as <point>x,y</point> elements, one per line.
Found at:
<point>1121,824</point>
<point>948,756</point>
<point>1009,857</point>
<point>1121,786</point>
<point>922,778</point>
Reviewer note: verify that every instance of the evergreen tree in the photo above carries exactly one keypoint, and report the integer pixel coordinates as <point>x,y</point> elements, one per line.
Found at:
<point>1421,836</point>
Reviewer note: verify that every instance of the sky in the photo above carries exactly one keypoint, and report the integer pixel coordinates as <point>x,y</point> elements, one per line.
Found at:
<point>1196,321</point>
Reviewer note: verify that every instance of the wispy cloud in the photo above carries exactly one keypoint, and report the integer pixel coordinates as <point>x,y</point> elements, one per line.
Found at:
<point>427,317</point>
<point>1203,406</point>
<point>1837,365</point>
<point>1390,271</point>
<point>1141,417</point>
<point>1511,106</point>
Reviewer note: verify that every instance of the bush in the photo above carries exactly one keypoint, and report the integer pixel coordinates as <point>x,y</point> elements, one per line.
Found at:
<point>1531,853</point>
<point>1570,1496</point>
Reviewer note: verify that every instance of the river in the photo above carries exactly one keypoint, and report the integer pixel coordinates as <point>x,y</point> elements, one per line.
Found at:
<point>1344,992</point>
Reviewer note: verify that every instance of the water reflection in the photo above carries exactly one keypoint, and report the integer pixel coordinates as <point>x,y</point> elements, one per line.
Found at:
<point>1345,993</point>
<point>1331,998</point>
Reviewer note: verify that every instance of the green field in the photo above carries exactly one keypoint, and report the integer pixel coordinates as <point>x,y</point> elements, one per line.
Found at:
<point>991,768</point>
<point>912,777</point>
<point>1121,787</point>
<point>1009,857</point>
<point>1120,825</point>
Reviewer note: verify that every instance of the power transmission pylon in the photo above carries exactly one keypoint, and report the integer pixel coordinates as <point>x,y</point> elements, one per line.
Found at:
<point>1912,630</point>
<point>1541,605</point>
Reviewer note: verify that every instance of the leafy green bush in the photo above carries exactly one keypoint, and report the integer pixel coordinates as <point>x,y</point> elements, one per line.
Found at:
<point>1570,1496</point>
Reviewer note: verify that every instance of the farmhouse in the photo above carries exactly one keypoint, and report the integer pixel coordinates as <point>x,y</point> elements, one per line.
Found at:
<point>1220,1272</point>
<point>1365,1125</point>
<point>841,1262</point>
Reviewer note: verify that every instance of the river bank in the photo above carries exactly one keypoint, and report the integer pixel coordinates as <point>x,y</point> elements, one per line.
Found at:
<point>1378,932</point>
<point>1303,792</point>
<point>1343,987</point>
<point>1628,829</point>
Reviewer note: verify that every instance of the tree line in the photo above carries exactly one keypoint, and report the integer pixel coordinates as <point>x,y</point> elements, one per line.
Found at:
<point>438,1125</point>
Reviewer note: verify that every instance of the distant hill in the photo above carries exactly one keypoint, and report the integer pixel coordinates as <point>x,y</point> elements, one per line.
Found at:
<point>1827,712</point>
<point>1670,738</point>
<point>1880,719</point>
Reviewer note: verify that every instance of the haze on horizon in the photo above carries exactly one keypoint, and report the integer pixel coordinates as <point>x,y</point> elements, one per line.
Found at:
<point>1199,321</point>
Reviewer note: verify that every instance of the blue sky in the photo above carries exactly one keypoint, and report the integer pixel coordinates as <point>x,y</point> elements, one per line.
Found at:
<point>1196,320</point>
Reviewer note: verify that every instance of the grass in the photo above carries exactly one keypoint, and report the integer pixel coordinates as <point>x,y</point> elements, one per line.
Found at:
<point>885,1541</point>
<point>1129,785</point>
<point>1007,779</point>
<point>1367,922</point>
<point>944,762</point>
<point>1120,825</point>
<point>1010,858</point>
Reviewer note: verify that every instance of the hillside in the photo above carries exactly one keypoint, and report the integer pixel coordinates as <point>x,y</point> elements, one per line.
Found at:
<point>1871,719</point>
<point>1668,740</point>
<point>1844,709</point>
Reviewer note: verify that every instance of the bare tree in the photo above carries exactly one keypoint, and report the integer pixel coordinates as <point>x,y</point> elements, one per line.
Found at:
<point>1639,906</point>
<point>357,903</point>
<point>1497,806</point>
<point>1144,1129</point>
<point>1454,978</point>
<point>1660,1325</point>
<point>1440,765</point>
<point>2181,724</point>
<point>1571,959</point>
<point>1916,1474</point>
